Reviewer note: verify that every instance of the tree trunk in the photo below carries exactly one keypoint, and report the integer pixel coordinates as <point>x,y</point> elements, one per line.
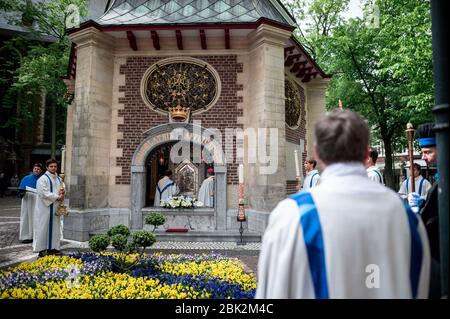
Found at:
<point>53,148</point>
<point>388,164</point>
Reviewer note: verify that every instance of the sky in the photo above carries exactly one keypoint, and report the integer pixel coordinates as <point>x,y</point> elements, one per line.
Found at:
<point>354,9</point>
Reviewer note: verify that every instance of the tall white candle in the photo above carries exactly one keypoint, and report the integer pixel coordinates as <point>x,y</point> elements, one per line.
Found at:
<point>241,173</point>
<point>63,158</point>
<point>297,167</point>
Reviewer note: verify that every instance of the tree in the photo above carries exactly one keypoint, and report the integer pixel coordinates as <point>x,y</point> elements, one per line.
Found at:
<point>43,60</point>
<point>319,18</point>
<point>385,72</point>
<point>382,70</point>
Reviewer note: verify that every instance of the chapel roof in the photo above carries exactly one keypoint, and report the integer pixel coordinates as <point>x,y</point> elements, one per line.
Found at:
<point>139,12</point>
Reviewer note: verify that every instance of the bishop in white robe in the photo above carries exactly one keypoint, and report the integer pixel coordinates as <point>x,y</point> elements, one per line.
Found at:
<point>165,189</point>
<point>206,192</point>
<point>47,231</point>
<point>346,238</point>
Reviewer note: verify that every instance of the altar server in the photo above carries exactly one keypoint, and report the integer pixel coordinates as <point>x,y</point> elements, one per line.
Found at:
<point>312,177</point>
<point>373,172</point>
<point>422,186</point>
<point>27,191</point>
<point>47,232</point>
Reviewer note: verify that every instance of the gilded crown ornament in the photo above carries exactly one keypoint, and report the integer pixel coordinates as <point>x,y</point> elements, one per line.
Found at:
<point>179,113</point>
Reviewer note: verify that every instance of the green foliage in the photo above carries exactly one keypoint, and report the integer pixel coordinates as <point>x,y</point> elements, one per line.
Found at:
<point>119,230</point>
<point>37,60</point>
<point>155,219</point>
<point>119,242</point>
<point>99,242</point>
<point>142,238</point>
<point>123,241</point>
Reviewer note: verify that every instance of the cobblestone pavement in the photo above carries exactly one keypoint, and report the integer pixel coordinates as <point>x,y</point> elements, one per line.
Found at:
<point>13,252</point>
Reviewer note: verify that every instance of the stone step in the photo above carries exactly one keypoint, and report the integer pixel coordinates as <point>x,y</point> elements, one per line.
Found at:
<point>202,236</point>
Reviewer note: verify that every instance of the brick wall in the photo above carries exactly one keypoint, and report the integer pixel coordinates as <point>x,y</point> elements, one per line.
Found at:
<point>138,117</point>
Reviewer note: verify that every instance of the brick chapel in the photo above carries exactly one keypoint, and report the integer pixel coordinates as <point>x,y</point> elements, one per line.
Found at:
<point>221,64</point>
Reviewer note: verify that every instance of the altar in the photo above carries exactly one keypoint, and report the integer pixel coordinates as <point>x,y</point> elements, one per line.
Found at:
<point>196,219</point>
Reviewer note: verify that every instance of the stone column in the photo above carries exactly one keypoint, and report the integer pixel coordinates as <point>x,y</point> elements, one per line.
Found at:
<point>90,140</point>
<point>138,196</point>
<point>220,205</point>
<point>315,107</point>
<point>265,110</point>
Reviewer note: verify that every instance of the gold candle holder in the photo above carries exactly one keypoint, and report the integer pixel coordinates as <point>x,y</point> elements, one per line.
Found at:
<point>62,210</point>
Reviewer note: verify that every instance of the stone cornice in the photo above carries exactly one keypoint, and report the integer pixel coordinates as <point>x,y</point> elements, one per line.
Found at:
<point>92,37</point>
<point>266,34</point>
<point>318,84</point>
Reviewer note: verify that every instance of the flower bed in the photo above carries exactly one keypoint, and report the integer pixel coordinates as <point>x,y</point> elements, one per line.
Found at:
<point>92,275</point>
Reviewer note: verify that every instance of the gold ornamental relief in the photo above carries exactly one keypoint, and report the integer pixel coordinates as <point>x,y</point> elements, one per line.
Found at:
<point>183,84</point>
<point>294,103</point>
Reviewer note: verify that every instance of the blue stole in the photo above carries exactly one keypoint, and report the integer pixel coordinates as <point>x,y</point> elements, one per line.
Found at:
<point>416,250</point>
<point>312,235</point>
<point>420,185</point>
<point>312,178</point>
<point>50,224</point>
<point>164,189</point>
<point>379,175</point>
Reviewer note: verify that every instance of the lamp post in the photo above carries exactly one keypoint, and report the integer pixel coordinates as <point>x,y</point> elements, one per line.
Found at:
<point>439,27</point>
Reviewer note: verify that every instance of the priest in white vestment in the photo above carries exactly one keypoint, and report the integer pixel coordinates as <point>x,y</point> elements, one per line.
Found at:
<point>47,231</point>
<point>27,191</point>
<point>348,237</point>
<point>206,192</point>
<point>165,188</point>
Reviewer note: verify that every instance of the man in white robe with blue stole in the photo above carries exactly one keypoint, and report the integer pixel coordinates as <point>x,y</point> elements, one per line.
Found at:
<point>421,185</point>
<point>165,188</point>
<point>47,231</point>
<point>312,177</point>
<point>206,192</point>
<point>27,191</point>
<point>373,172</point>
<point>348,237</point>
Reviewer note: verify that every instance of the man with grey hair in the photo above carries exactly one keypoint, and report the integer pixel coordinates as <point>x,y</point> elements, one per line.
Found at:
<point>348,237</point>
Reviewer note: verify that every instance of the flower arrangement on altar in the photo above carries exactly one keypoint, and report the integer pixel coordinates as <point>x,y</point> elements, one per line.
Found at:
<point>181,202</point>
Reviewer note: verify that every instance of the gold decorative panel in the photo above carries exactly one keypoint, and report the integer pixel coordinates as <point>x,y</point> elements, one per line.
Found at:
<point>180,83</point>
<point>294,103</point>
